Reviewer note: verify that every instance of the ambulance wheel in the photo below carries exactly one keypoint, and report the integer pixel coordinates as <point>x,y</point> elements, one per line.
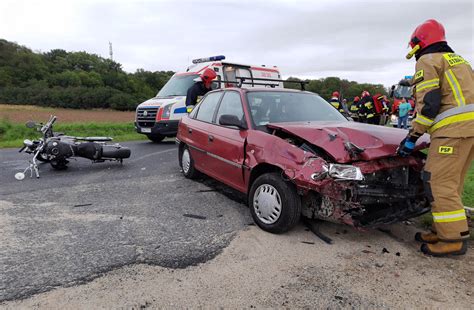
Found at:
<point>187,163</point>
<point>156,138</point>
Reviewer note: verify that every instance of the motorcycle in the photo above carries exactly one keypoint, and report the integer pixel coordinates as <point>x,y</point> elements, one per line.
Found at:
<point>56,148</point>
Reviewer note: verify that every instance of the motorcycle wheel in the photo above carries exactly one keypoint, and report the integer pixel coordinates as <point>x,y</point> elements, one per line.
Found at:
<point>43,157</point>
<point>59,164</point>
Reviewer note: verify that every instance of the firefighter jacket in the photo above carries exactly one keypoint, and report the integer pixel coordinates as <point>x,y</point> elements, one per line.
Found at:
<point>444,94</point>
<point>195,92</point>
<point>339,105</point>
<point>367,107</point>
<point>355,106</point>
<point>336,104</point>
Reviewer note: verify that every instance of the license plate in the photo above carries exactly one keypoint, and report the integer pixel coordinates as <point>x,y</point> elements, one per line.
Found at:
<point>146,130</point>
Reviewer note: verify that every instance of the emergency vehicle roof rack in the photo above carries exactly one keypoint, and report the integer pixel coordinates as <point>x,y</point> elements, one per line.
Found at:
<point>243,80</point>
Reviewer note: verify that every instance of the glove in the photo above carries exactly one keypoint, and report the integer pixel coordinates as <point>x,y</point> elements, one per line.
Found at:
<point>406,147</point>
<point>189,108</point>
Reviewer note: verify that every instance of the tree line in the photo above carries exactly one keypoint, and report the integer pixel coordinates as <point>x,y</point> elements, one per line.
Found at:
<point>347,89</point>
<point>80,80</point>
<point>72,79</point>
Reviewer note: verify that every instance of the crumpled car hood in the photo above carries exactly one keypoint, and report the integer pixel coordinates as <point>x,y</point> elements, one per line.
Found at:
<point>377,141</point>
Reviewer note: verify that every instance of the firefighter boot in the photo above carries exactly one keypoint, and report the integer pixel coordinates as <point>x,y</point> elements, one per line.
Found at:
<point>430,237</point>
<point>441,248</point>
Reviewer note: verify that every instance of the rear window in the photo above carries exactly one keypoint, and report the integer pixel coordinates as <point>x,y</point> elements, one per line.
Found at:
<point>282,107</point>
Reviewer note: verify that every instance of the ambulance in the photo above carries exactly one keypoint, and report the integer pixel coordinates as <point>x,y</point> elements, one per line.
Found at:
<point>158,117</point>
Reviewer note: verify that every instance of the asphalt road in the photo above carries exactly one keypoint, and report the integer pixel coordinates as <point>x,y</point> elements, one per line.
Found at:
<point>71,226</point>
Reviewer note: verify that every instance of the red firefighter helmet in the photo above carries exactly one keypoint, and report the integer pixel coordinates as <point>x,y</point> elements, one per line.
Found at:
<point>356,98</point>
<point>426,34</point>
<point>207,76</point>
<point>365,94</point>
<point>335,94</point>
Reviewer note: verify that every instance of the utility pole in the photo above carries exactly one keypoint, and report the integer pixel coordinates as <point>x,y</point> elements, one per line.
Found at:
<point>111,52</point>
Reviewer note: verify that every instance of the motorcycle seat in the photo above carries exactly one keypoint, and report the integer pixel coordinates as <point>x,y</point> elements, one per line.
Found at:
<point>95,139</point>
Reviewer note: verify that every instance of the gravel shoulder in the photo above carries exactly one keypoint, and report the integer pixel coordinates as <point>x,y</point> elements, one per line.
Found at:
<point>294,270</point>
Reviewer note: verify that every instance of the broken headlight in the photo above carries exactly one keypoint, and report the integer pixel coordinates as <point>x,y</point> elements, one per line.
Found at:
<point>345,172</point>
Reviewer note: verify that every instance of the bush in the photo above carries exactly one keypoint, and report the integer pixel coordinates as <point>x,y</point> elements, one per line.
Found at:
<point>122,102</point>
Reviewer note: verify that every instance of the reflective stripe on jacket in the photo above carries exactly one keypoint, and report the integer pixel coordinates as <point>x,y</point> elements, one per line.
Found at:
<point>443,82</point>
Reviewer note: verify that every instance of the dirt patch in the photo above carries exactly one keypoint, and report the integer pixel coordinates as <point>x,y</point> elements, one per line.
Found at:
<point>368,269</point>
<point>24,113</point>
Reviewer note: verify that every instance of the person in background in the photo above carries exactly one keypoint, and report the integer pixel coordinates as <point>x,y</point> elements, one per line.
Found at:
<point>200,88</point>
<point>367,108</point>
<point>403,109</point>
<point>355,107</point>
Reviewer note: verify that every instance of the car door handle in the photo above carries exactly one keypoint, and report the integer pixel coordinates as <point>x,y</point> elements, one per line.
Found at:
<point>190,130</point>
<point>210,138</point>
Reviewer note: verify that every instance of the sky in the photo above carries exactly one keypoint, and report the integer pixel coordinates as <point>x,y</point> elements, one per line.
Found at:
<point>364,41</point>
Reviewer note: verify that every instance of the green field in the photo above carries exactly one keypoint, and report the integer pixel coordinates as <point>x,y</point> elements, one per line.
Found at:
<point>13,134</point>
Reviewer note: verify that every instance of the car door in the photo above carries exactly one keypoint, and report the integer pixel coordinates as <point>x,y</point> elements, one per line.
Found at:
<point>197,131</point>
<point>226,143</point>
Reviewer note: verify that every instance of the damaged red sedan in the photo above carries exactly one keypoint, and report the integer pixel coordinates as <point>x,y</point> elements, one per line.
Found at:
<point>294,155</point>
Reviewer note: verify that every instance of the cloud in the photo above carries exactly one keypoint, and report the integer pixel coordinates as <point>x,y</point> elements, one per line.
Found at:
<point>361,40</point>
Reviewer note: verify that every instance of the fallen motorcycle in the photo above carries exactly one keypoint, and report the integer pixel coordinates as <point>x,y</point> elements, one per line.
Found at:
<point>56,148</point>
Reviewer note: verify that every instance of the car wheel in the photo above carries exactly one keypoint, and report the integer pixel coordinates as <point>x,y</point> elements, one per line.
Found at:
<point>42,157</point>
<point>187,164</point>
<point>156,138</point>
<point>274,204</point>
<point>59,164</point>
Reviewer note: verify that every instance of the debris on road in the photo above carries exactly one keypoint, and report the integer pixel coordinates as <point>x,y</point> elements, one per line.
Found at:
<point>83,205</point>
<point>194,216</point>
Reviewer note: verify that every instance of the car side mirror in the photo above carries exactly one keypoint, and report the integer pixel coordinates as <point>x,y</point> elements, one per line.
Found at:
<point>231,120</point>
<point>30,124</point>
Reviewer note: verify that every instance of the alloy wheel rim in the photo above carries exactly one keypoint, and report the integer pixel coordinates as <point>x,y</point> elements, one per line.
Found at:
<point>186,161</point>
<point>267,204</point>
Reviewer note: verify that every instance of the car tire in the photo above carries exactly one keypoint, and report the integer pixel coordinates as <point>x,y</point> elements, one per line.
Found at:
<point>156,138</point>
<point>274,203</point>
<point>187,164</point>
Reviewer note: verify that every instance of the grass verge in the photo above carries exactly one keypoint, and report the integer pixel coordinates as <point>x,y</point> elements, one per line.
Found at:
<point>12,135</point>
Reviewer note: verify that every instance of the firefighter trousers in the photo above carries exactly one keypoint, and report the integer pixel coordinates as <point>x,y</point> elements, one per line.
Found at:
<point>448,161</point>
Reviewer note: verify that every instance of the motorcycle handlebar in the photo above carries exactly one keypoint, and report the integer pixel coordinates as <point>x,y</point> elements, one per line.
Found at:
<point>21,150</point>
<point>48,125</point>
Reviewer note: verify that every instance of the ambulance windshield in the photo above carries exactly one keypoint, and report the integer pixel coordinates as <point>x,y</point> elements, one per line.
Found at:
<point>278,107</point>
<point>178,85</point>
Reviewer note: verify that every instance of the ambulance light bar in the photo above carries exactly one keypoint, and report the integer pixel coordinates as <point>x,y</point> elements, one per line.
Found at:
<point>212,58</point>
<point>408,77</point>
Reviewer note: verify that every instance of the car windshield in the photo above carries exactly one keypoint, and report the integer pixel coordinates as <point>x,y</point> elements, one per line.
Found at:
<point>280,107</point>
<point>178,85</point>
<point>402,92</point>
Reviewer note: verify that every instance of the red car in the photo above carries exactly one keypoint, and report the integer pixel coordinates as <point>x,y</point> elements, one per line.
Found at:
<point>294,155</point>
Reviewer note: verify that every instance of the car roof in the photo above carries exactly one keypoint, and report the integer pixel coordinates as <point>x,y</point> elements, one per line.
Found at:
<point>263,89</point>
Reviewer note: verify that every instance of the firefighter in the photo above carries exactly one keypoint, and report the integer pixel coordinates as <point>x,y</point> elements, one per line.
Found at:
<point>444,96</point>
<point>200,88</point>
<point>338,105</point>
<point>367,108</point>
<point>355,107</point>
